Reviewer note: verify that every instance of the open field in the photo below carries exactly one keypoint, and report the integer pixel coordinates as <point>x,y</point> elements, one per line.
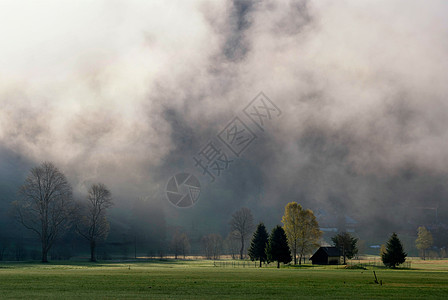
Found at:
<point>201,279</point>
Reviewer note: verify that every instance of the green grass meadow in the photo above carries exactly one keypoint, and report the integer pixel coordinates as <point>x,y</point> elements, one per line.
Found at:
<point>202,280</point>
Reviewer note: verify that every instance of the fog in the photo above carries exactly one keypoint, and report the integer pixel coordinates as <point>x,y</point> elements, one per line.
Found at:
<point>127,92</point>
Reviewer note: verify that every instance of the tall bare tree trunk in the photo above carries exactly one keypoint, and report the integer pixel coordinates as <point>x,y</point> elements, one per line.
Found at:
<point>242,226</point>
<point>92,250</point>
<point>44,254</point>
<point>44,240</point>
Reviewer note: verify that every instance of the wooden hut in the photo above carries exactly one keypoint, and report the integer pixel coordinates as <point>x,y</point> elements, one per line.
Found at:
<point>327,256</point>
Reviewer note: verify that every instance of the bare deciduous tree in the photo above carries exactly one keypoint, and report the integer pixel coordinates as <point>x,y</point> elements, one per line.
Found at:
<point>232,244</point>
<point>4,245</point>
<point>45,205</point>
<point>180,244</point>
<point>212,245</point>
<point>92,223</point>
<point>242,226</point>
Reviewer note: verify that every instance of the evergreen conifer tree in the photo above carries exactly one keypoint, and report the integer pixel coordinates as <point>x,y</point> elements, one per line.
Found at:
<point>394,254</point>
<point>257,250</point>
<point>278,249</point>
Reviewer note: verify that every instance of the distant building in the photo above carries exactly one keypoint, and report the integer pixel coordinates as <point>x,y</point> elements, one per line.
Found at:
<point>331,223</point>
<point>327,256</point>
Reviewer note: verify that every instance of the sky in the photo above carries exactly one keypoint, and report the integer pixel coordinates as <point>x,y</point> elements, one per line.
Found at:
<point>127,92</point>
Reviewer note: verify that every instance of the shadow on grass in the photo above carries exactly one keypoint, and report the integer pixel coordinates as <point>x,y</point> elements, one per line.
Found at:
<point>87,263</point>
<point>374,267</point>
<point>302,266</point>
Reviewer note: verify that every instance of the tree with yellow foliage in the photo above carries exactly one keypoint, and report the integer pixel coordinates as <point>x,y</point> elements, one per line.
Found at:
<point>291,226</point>
<point>424,240</point>
<point>302,230</point>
